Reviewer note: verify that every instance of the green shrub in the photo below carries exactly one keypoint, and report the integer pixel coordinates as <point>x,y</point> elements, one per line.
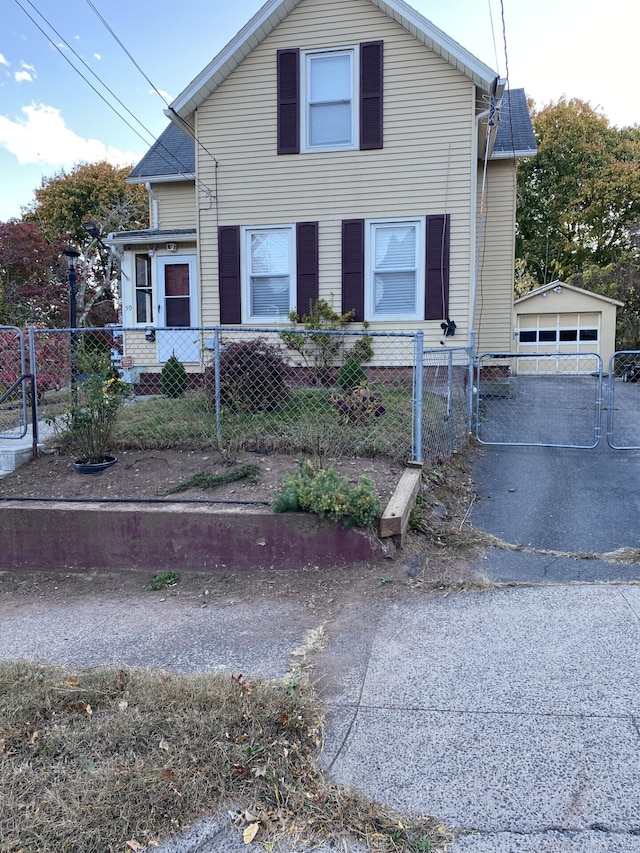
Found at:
<point>252,377</point>
<point>351,374</point>
<point>328,495</point>
<point>174,380</point>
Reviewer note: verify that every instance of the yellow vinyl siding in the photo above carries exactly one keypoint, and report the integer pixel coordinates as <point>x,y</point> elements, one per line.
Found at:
<point>176,204</point>
<point>424,167</point>
<point>495,259</point>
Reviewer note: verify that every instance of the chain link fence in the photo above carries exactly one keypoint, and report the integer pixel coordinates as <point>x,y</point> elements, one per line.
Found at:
<point>555,402</point>
<point>446,401</point>
<point>623,417</point>
<point>319,393</point>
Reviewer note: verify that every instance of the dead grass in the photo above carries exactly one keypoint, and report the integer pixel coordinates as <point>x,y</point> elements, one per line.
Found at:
<point>118,760</point>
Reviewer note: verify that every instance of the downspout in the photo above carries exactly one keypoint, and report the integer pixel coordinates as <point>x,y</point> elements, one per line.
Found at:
<point>154,205</point>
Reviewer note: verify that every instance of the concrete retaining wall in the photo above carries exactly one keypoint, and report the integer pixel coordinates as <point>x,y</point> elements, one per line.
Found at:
<point>174,537</point>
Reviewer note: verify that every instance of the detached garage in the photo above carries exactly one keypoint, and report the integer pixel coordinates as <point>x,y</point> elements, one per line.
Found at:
<point>561,318</point>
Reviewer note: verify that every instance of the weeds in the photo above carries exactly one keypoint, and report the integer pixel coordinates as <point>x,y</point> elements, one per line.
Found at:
<point>115,759</point>
<point>204,480</point>
<point>163,580</point>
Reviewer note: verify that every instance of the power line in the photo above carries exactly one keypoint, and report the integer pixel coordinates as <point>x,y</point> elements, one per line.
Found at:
<point>147,78</point>
<point>186,172</point>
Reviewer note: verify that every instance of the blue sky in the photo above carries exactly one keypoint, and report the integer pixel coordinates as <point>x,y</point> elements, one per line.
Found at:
<point>50,118</point>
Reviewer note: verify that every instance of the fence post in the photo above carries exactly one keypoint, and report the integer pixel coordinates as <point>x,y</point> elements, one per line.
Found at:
<point>216,373</point>
<point>450,446</point>
<point>418,391</point>
<point>33,370</point>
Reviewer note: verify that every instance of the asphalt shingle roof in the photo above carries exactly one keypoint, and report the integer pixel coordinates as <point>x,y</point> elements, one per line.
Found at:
<point>515,131</point>
<point>173,153</point>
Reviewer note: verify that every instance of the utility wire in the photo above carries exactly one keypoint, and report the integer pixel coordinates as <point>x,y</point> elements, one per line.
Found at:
<point>109,29</point>
<point>186,172</point>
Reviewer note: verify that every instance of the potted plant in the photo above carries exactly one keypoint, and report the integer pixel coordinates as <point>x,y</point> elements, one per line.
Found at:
<point>88,424</point>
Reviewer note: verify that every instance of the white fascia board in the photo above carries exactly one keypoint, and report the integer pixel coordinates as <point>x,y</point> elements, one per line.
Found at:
<point>161,179</point>
<point>545,288</point>
<point>509,155</point>
<point>275,11</point>
<point>133,239</point>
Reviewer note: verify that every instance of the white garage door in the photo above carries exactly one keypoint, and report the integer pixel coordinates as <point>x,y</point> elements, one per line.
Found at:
<point>544,334</point>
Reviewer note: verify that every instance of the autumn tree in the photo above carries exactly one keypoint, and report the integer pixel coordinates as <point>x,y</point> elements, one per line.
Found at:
<point>90,192</point>
<point>621,281</point>
<point>32,280</point>
<point>579,197</point>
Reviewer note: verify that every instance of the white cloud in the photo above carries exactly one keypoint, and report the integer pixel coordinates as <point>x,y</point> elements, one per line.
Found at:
<point>4,60</point>
<point>43,137</point>
<point>23,77</point>
<point>97,56</point>
<point>27,67</point>
<point>164,94</point>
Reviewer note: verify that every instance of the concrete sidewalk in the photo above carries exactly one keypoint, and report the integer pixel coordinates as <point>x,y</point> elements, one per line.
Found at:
<point>510,714</point>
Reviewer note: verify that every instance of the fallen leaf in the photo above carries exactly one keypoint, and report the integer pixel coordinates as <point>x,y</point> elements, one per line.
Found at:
<point>132,844</point>
<point>88,709</point>
<point>34,737</point>
<point>123,705</point>
<point>166,773</point>
<point>71,682</point>
<point>165,745</point>
<point>250,832</point>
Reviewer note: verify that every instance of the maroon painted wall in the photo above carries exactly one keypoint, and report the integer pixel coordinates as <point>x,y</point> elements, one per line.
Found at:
<point>77,536</point>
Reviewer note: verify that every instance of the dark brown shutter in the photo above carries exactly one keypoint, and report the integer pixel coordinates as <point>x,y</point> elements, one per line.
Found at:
<point>306,266</point>
<point>371,76</point>
<point>229,274</point>
<point>288,72</point>
<point>353,267</point>
<point>436,294</point>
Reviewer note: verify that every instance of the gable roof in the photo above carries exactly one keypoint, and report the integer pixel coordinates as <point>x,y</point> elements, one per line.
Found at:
<point>275,11</point>
<point>515,137</point>
<point>171,157</point>
<point>563,286</point>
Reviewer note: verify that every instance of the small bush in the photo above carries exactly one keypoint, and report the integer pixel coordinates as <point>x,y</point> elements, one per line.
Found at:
<point>358,406</point>
<point>252,377</point>
<point>174,380</point>
<point>351,374</point>
<point>328,495</point>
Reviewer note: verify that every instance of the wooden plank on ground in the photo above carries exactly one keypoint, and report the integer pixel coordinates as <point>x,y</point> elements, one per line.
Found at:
<point>395,519</point>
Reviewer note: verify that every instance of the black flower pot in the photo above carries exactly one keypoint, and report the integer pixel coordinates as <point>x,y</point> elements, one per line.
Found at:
<point>84,467</point>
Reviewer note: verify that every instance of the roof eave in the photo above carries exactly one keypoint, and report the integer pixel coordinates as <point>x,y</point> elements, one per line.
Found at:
<point>510,155</point>
<point>121,238</point>
<point>160,179</point>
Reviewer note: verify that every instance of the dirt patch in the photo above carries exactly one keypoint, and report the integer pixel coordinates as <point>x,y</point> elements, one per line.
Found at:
<point>152,474</point>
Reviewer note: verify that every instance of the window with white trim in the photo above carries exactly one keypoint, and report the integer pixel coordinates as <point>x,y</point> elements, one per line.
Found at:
<point>394,269</point>
<point>143,290</point>
<point>330,86</point>
<point>268,273</point>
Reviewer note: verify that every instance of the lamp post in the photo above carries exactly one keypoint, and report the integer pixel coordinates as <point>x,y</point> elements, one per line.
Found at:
<point>71,255</point>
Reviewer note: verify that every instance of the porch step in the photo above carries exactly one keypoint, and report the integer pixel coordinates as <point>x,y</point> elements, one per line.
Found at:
<point>15,452</point>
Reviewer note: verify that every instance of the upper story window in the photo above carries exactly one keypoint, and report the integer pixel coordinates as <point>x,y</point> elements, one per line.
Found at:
<point>329,119</point>
<point>330,100</point>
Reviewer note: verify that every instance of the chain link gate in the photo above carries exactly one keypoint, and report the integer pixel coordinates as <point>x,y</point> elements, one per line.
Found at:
<point>14,421</point>
<point>545,400</point>
<point>623,415</point>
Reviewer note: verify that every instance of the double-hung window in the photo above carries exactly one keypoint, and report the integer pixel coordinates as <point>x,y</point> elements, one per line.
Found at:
<point>330,86</point>
<point>268,273</point>
<point>395,270</point>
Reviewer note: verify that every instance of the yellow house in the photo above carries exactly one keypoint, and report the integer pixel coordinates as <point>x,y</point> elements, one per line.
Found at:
<point>345,150</point>
<point>561,318</point>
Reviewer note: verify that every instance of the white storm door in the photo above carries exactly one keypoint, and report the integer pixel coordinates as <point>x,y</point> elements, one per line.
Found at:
<point>178,309</point>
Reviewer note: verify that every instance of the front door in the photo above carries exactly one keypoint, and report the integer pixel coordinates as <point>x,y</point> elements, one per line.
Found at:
<point>178,309</point>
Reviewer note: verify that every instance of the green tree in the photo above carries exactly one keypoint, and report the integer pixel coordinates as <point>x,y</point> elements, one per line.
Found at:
<point>620,280</point>
<point>90,192</point>
<point>579,197</point>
